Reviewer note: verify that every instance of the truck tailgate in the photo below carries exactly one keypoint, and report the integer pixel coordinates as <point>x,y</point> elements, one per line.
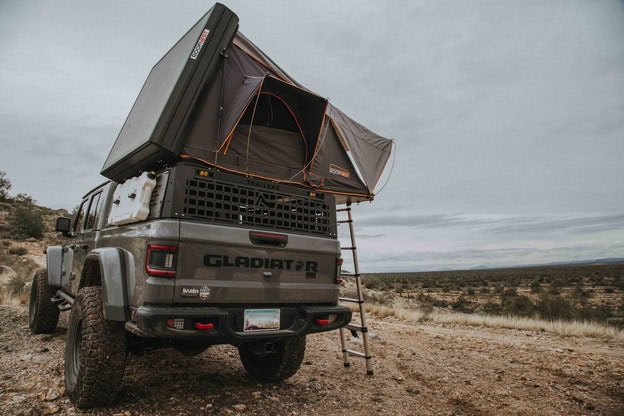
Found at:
<point>229,265</point>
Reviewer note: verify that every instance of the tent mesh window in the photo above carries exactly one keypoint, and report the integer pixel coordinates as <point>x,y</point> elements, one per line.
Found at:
<point>230,203</point>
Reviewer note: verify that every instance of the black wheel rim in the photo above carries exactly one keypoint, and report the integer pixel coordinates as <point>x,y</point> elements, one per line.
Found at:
<point>32,306</point>
<point>76,349</point>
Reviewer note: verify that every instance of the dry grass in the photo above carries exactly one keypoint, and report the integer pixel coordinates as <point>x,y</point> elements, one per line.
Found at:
<point>563,328</point>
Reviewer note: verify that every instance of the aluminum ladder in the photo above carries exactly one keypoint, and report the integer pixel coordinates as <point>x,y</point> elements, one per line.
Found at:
<point>360,328</point>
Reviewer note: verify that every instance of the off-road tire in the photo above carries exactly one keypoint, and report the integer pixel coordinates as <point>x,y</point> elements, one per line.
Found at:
<point>95,352</point>
<point>43,315</point>
<point>278,365</point>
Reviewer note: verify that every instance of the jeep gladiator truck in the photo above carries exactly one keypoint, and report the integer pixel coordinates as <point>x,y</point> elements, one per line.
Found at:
<point>190,257</point>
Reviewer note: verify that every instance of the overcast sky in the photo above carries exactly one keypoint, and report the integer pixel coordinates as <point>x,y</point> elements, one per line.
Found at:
<point>508,116</point>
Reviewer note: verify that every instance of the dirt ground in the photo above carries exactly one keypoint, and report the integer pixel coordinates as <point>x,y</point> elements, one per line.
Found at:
<point>420,369</point>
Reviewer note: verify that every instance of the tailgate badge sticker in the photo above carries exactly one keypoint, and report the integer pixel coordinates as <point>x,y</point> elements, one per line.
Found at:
<point>204,292</point>
<point>190,292</point>
<point>193,292</point>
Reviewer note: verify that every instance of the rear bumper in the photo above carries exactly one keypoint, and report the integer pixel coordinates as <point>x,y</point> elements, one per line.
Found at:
<point>218,325</point>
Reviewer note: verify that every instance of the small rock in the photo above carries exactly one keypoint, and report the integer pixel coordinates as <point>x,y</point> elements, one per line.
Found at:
<point>240,407</point>
<point>50,409</point>
<point>51,395</point>
<point>274,399</point>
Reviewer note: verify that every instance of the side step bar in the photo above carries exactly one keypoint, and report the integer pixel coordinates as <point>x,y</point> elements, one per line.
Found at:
<point>62,301</point>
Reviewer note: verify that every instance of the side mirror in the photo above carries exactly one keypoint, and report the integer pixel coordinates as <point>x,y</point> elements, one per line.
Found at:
<point>63,225</point>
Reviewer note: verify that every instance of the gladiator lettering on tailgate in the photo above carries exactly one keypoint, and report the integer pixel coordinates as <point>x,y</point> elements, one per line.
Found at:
<point>199,44</point>
<point>218,260</point>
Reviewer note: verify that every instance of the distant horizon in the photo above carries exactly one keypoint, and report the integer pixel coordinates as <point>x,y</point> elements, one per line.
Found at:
<point>605,261</point>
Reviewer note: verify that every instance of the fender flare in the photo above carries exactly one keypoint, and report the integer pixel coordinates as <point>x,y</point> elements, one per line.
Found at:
<point>54,266</point>
<point>116,266</point>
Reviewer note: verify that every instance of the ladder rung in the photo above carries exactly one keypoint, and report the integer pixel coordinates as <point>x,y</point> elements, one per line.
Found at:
<point>348,248</point>
<point>359,328</point>
<point>353,300</point>
<point>350,274</point>
<point>357,353</point>
<point>344,221</point>
<point>343,209</point>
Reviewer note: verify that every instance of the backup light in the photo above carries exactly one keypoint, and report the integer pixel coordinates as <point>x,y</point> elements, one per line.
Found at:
<point>177,323</point>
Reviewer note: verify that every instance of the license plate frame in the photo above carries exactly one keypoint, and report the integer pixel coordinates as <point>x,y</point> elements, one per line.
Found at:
<point>258,320</point>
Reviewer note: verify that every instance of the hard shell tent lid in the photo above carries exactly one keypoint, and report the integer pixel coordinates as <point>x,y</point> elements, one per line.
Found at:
<point>252,118</point>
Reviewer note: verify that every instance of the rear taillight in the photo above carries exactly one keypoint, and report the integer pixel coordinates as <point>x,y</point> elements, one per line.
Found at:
<point>161,260</point>
<point>339,270</point>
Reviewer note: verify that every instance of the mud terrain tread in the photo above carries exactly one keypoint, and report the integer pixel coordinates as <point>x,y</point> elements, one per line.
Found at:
<point>276,366</point>
<point>43,315</point>
<point>98,377</point>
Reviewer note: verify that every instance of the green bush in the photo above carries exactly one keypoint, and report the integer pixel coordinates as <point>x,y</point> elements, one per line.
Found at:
<point>27,222</point>
<point>518,305</point>
<point>555,307</point>
<point>492,308</point>
<point>462,305</point>
<point>18,251</point>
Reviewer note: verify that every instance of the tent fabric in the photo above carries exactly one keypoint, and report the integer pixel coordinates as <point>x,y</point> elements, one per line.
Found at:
<point>254,119</point>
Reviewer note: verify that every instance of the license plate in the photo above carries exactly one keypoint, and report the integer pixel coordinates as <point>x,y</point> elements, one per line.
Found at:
<point>261,320</point>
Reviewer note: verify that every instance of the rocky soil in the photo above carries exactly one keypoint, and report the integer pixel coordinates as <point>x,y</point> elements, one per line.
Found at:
<point>420,369</point>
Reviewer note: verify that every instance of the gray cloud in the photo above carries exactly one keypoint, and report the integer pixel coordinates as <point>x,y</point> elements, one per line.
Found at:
<point>508,116</point>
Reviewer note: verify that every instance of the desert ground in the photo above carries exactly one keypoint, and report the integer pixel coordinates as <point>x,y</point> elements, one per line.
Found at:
<point>421,368</point>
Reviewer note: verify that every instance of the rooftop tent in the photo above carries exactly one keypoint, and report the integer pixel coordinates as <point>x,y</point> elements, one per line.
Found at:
<point>244,114</point>
<point>272,127</point>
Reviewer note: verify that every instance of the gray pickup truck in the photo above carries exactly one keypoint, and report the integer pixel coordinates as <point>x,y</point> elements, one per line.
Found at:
<point>218,224</point>
<point>215,258</point>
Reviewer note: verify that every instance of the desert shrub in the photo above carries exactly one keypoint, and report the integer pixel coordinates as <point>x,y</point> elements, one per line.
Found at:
<point>518,305</point>
<point>462,305</point>
<point>27,222</point>
<point>18,251</point>
<point>492,308</point>
<point>373,284</point>
<point>439,303</point>
<point>383,298</point>
<point>602,313</point>
<point>554,307</point>
<point>5,185</point>
<point>15,285</point>
<point>555,288</point>
<point>536,287</point>
<point>510,292</point>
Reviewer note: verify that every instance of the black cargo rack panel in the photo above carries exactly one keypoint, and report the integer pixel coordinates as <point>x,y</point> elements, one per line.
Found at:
<point>237,200</point>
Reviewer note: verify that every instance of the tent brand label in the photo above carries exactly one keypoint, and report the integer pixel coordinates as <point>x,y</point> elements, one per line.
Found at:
<point>218,260</point>
<point>337,170</point>
<point>200,43</point>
